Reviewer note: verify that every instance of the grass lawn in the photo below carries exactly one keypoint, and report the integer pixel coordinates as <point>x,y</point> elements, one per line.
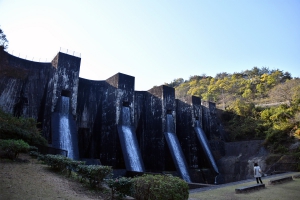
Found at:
<point>284,191</point>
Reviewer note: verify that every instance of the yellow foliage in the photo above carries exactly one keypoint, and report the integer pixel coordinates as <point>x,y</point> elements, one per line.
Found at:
<point>297,133</point>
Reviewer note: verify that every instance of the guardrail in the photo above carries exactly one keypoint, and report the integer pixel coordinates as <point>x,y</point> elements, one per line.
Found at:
<point>70,52</point>
<point>37,59</point>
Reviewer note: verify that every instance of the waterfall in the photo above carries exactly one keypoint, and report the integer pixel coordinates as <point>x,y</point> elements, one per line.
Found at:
<point>175,149</point>
<point>132,150</point>
<point>129,143</point>
<point>204,142</point>
<point>65,138</point>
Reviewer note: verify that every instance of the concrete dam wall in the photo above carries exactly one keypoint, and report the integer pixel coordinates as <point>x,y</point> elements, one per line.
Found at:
<point>108,121</point>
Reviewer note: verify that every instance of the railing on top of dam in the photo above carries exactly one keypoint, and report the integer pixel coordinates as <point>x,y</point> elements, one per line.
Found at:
<point>37,59</point>
<point>70,52</point>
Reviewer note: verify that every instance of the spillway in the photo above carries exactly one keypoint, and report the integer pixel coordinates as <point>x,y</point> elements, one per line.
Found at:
<point>129,144</point>
<point>204,142</point>
<point>176,150</point>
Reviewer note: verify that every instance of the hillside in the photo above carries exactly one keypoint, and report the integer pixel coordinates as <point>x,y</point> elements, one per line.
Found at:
<point>252,104</point>
<point>27,178</point>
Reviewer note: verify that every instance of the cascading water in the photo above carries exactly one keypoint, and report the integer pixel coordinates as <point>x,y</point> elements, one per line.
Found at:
<point>175,149</point>
<point>204,142</point>
<point>129,144</point>
<point>65,137</point>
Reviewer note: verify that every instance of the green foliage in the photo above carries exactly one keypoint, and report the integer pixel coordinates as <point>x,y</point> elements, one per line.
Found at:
<point>275,140</point>
<point>57,162</point>
<point>153,187</point>
<point>33,148</point>
<point>224,88</point>
<point>281,123</point>
<point>94,173</point>
<point>243,128</point>
<point>241,107</point>
<point>34,154</point>
<point>120,186</point>
<point>242,97</point>
<point>20,128</point>
<point>11,148</point>
<point>62,163</point>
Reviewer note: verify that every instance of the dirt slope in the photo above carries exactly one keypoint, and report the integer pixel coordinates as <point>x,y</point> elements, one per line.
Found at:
<point>32,180</point>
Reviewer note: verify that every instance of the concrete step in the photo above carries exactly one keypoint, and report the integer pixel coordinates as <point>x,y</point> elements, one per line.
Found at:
<point>249,188</point>
<point>296,176</point>
<point>280,180</point>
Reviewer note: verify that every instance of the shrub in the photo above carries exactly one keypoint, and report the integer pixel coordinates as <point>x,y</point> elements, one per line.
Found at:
<point>33,148</point>
<point>153,187</point>
<point>57,162</point>
<point>120,186</point>
<point>12,148</point>
<point>94,173</point>
<point>61,163</point>
<point>72,165</point>
<point>20,128</point>
<point>34,154</point>
<point>277,140</point>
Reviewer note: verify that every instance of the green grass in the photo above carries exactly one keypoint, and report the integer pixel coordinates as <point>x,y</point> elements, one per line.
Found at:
<point>288,190</point>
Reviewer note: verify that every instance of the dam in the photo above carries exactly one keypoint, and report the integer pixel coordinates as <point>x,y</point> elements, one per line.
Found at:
<point>108,121</point>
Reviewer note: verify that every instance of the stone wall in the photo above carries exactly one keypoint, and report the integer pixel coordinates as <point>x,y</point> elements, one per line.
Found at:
<point>237,164</point>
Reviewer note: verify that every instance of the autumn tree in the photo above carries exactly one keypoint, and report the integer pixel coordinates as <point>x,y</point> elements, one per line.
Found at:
<point>286,92</point>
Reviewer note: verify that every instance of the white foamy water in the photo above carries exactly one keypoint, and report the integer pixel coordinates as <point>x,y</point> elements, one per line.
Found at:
<point>64,128</point>
<point>176,149</point>
<point>204,142</point>
<point>132,150</point>
<point>131,145</point>
<point>178,157</point>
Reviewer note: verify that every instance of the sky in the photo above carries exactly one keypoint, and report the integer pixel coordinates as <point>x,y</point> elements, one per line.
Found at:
<point>157,41</point>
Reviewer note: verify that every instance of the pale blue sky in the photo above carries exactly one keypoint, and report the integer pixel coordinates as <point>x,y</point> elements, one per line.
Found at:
<point>157,41</point>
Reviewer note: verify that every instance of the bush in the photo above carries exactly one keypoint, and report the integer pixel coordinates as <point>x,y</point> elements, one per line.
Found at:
<point>12,148</point>
<point>57,162</point>
<point>60,162</point>
<point>34,154</point>
<point>277,140</point>
<point>120,186</point>
<point>20,128</point>
<point>94,173</point>
<point>153,187</point>
<point>33,148</point>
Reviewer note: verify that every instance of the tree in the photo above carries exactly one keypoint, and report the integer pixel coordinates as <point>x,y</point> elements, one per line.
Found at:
<point>286,92</point>
<point>175,82</point>
<point>3,46</point>
<point>3,40</point>
<point>222,75</point>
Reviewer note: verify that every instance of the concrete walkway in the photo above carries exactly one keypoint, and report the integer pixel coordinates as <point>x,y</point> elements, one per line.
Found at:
<point>264,179</point>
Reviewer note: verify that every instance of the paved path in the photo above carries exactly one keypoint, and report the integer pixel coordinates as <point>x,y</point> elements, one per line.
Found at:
<point>240,182</point>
